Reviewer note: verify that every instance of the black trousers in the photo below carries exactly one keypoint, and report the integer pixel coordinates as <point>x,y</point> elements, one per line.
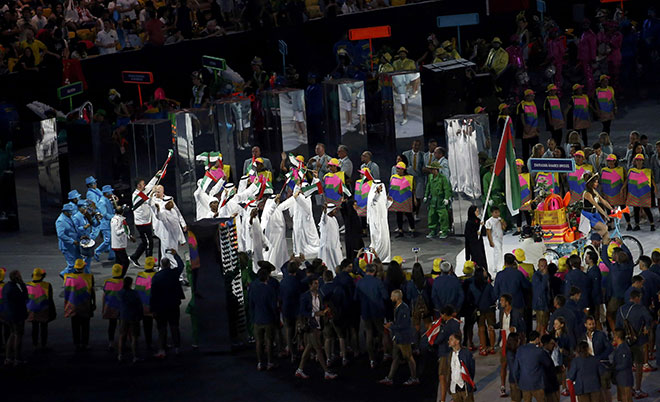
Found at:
<point>146,246</point>
<point>39,328</point>
<point>164,319</point>
<point>399,220</point>
<point>528,218</point>
<point>121,258</point>
<point>148,325</point>
<point>112,328</point>
<point>557,135</point>
<point>606,126</point>
<point>527,144</point>
<point>648,213</point>
<point>80,328</point>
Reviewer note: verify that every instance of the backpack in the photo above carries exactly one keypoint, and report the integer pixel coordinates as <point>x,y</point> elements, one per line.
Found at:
<point>631,333</point>
<point>420,309</point>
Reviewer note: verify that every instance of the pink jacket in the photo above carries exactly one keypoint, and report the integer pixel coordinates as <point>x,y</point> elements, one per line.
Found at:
<point>614,40</point>
<point>587,46</point>
<point>556,51</point>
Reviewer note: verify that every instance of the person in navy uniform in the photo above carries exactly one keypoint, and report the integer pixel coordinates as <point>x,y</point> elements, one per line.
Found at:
<point>289,299</point>
<point>596,280</point>
<point>529,367</point>
<point>600,347</point>
<point>573,304</point>
<point>460,390</point>
<point>510,280</point>
<point>640,320</point>
<point>619,279</point>
<point>576,277</point>
<point>541,298</point>
<point>371,294</point>
<point>550,375</point>
<point>562,311</point>
<point>447,289</point>
<point>510,321</point>
<point>585,373</point>
<point>622,362</point>
<point>402,336</point>
<point>263,305</point>
<point>450,325</point>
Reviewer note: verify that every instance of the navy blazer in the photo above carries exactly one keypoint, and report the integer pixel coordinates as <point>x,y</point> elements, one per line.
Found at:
<point>541,292</point>
<point>486,299</point>
<point>569,318</point>
<point>655,268</point>
<point>307,309</point>
<point>580,317</point>
<point>530,366</point>
<point>579,279</point>
<point>622,362</point>
<point>447,289</point>
<point>596,280</point>
<point>585,372</point>
<point>442,340</point>
<point>513,282</point>
<point>166,291</point>
<point>602,346</point>
<point>465,356</point>
<point>517,321</point>
<point>638,316</point>
<point>651,286</point>
<point>263,303</point>
<point>550,381</point>
<point>371,294</point>
<point>620,276</point>
<point>15,298</point>
<point>290,291</point>
<point>411,293</point>
<point>402,330</point>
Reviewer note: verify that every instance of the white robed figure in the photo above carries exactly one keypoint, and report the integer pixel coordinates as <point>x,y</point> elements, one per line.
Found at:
<point>379,228</point>
<point>257,238</point>
<point>305,235</point>
<point>275,230</point>
<point>168,224</point>
<point>330,248</point>
<point>203,198</point>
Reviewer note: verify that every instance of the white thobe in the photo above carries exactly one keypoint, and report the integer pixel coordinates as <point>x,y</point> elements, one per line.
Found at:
<point>168,229</point>
<point>379,228</point>
<point>257,238</point>
<point>203,199</point>
<point>330,248</point>
<point>305,235</point>
<point>275,231</point>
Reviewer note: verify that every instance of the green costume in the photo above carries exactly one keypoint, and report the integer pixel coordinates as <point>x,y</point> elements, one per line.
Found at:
<point>496,195</point>
<point>437,191</point>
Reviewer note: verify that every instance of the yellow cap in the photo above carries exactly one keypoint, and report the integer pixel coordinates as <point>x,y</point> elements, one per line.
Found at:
<point>502,106</point>
<point>333,162</point>
<point>117,271</point>
<point>611,157</point>
<point>79,264</point>
<point>562,264</point>
<point>603,77</point>
<point>362,263</point>
<point>551,87</point>
<point>529,92</point>
<point>149,263</point>
<point>259,160</point>
<point>579,153</point>
<point>610,249</point>
<point>657,249</point>
<point>435,272</point>
<point>520,254</point>
<point>400,165</point>
<point>468,267</point>
<point>446,43</point>
<point>519,162</point>
<point>639,156</point>
<point>402,49</point>
<point>577,86</point>
<point>398,259</point>
<point>38,274</point>
<point>387,57</point>
<point>479,109</point>
<point>300,158</point>
<point>2,273</point>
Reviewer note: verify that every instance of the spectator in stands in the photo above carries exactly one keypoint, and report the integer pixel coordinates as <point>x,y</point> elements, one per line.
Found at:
<point>38,48</point>
<point>107,40</point>
<point>154,29</point>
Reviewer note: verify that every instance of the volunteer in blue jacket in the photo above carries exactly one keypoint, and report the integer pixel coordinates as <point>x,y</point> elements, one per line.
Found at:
<point>372,296</point>
<point>107,211</point>
<point>529,368</point>
<point>510,280</point>
<point>402,336</point>
<point>541,296</point>
<point>586,373</point>
<point>619,279</point>
<point>67,237</point>
<point>640,320</point>
<point>290,291</point>
<point>447,289</point>
<point>567,314</point>
<point>481,291</point>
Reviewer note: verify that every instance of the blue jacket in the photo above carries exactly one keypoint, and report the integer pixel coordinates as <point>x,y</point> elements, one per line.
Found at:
<point>80,222</point>
<point>465,356</point>
<point>517,320</point>
<point>620,276</point>
<point>105,208</point>
<point>530,366</point>
<point>626,296</point>
<point>596,280</point>
<point>290,291</point>
<point>585,372</point>
<point>602,346</point>
<point>15,298</point>
<point>655,268</point>
<point>66,233</point>
<point>638,316</point>
<point>442,340</point>
<point>550,381</point>
<point>510,363</point>
<point>513,282</point>
<point>371,294</point>
<point>166,291</point>
<point>447,289</point>
<point>486,299</point>
<point>651,286</point>
<point>569,317</point>
<point>94,194</point>
<point>306,308</point>
<point>411,293</point>
<point>580,317</point>
<point>579,279</point>
<point>402,330</point>
<point>541,292</point>
<point>345,280</point>
<point>263,303</point>
<point>130,305</point>
<point>622,362</point>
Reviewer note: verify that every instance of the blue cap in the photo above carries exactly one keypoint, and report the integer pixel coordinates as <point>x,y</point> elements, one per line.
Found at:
<point>90,180</point>
<point>107,189</point>
<point>69,207</point>
<point>73,194</point>
<point>83,203</point>
<point>596,237</point>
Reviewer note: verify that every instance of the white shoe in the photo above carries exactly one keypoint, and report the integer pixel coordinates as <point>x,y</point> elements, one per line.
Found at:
<point>404,121</point>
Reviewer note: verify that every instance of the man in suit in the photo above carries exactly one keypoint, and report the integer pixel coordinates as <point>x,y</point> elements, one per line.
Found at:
<point>511,281</point>
<point>447,289</point>
<point>622,362</point>
<point>460,389</point>
<point>450,325</point>
<point>529,368</point>
<point>596,286</point>
<point>256,153</point>
<point>576,277</point>
<point>415,164</point>
<point>597,159</point>
<point>599,347</point>
<point>510,320</point>
<point>166,296</point>
<point>640,320</point>
<point>367,162</point>
<point>371,294</point>
<point>620,277</point>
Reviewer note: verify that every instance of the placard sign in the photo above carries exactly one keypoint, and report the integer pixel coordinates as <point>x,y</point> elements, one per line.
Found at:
<point>552,165</point>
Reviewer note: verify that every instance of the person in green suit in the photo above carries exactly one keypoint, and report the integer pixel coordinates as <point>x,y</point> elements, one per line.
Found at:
<point>438,194</point>
<point>497,196</point>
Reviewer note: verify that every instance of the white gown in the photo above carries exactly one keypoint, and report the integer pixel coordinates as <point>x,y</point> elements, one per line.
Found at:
<point>202,200</point>
<point>305,235</point>
<point>330,248</point>
<point>257,238</point>
<point>379,228</point>
<point>168,228</point>
<point>275,231</point>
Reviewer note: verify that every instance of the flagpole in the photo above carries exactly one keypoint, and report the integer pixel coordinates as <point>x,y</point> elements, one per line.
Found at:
<point>492,176</point>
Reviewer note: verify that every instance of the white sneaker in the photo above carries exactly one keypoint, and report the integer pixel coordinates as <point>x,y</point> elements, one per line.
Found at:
<point>404,121</point>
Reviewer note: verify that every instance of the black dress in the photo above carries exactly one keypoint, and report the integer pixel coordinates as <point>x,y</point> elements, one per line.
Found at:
<point>474,245</point>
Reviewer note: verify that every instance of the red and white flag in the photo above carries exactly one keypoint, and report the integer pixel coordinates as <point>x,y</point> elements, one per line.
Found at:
<point>433,332</point>
<point>465,375</point>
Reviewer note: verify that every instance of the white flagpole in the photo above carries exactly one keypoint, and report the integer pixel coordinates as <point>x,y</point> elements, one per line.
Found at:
<point>492,176</point>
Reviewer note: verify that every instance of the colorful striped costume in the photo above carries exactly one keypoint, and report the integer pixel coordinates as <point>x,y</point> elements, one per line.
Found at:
<point>576,183</point>
<point>552,179</point>
<point>611,184</point>
<point>581,112</point>
<point>640,182</point>
<point>78,294</point>
<point>111,288</point>
<point>530,119</point>
<point>525,191</point>
<point>401,191</point>
<point>143,288</point>
<point>333,186</point>
<point>556,115</point>
<point>605,98</point>
<point>362,188</point>
<point>38,301</point>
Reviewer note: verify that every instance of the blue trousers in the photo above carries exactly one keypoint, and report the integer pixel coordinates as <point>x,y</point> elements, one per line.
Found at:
<point>105,246</point>
<point>70,255</point>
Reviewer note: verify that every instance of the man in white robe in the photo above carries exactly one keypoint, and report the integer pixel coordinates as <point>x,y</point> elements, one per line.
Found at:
<point>258,241</point>
<point>379,228</point>
<point>330,248</point>
<point>275,230</point>
<point>305,235</point>
<point>203,199</point>
<point>170,225</point>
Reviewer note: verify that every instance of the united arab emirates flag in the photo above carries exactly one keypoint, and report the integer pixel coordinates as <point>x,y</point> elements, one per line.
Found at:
<point>505,168</point>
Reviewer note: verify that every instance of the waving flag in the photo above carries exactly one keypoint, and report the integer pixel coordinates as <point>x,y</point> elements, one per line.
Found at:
<point>316,186</point>
<point>505,165</point>
<point>433,332</point>
<point>465,375</point>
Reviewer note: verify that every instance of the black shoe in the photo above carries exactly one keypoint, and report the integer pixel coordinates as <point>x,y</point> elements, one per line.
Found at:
<point>629,228</point>
<point>398,234</point>
<point>412,233</point>
<point>636,228</point>
<point>652,228</point>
